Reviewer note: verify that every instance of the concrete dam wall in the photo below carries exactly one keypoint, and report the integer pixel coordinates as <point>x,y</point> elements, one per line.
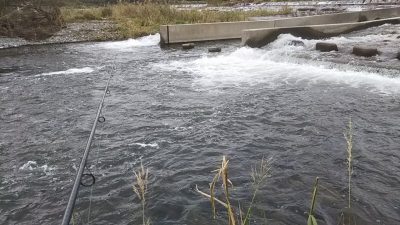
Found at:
<point>182,33</point>
<point>261,37</point>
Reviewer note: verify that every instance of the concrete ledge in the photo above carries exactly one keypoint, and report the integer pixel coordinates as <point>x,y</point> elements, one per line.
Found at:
<point>260,37</point>
<point>233,30</point>
<point>207,31</point>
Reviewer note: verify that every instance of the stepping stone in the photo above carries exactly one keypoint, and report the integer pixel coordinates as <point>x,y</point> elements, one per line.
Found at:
<point>326,47</point>
<point>214,49</point>
<point>188,46</point>
<point>363,51</point>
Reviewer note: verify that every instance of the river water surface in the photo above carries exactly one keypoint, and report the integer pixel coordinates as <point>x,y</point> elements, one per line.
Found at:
<point>180,111</point>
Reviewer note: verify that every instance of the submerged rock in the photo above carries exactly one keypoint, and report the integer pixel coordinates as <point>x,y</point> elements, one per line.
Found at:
<point>296,43</point>
<point>214,49</point>
<point>398,56</point>
<point>363,51</point>
<point>326,47</point>
<point>31,23</point>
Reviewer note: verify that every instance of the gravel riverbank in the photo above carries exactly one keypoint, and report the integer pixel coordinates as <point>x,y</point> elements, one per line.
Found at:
<point>73,32</point>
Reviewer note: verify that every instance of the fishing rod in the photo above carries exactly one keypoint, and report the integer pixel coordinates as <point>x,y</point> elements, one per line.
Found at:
<point>78,178</point>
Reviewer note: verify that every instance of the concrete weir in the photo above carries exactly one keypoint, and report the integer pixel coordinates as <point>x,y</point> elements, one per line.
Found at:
<point>260,37</point>
<point>181,33</point>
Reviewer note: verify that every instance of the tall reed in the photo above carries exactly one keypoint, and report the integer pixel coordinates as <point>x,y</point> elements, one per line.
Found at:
<point>311,218</point>
<point>348,135</point>
<point>259,175</point>
<point>140,188</point>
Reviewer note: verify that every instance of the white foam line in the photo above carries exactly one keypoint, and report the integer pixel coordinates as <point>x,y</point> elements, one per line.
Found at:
<point>143,145</point>
<point>69,71</point>
<point>150,40</point>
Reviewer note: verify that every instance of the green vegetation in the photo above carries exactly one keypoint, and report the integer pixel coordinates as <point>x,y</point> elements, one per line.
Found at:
<point>135,20</point>
<point>311,218</point>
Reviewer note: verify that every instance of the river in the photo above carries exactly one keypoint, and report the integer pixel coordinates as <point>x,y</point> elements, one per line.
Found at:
<point>180,111</point>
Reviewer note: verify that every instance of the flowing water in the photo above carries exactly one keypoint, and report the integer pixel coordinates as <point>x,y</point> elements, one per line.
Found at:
<point>180,111</point>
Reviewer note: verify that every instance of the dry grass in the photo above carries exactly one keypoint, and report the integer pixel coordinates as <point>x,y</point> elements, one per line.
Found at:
<point>136,20</point>
<point>259,175</point>
<point>348,135</point>
<point>234,2</point>
<point>140,188</point>
<point>348,218</point>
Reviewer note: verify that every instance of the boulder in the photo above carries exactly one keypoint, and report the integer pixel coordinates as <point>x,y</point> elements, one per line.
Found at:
<point>398,56</point>
<point>363,51</point>
<point>31,23</point>
<point>326,47</point>
<point>188,46</point>
<point>296,43</point>
<point>214,49</point>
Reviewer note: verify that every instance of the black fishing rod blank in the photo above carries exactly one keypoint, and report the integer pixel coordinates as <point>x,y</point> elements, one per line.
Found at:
<point>78,178</point>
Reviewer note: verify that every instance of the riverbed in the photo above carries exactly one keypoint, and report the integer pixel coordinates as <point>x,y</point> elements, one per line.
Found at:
<point>178,112</point>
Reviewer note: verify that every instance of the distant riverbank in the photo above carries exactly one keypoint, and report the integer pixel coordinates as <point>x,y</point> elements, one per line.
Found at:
<point>123,21</point>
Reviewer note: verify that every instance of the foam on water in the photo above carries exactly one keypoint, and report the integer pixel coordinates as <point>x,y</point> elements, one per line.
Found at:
<point>66,72</point>
<point>275,65</point>
<point>28,165</point>
<point>143,145</point>
<point>149,40</point>
<point>281,44</point>
<point>33,166</point>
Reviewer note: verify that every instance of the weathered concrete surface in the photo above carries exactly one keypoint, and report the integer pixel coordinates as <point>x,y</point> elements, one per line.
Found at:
<point>261,37</point>
<point>207,31</point>
<point>232,30</point>
<point>347,17</point>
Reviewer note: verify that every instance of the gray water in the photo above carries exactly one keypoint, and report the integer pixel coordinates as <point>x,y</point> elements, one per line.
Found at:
<point>180,111</point>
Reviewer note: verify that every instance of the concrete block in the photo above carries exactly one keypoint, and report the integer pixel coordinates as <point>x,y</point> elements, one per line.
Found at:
<point>182,33</point>
<point>214,49</point>
<point>326,47</point>
<point>363,51</point>
<point>188,46</point>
